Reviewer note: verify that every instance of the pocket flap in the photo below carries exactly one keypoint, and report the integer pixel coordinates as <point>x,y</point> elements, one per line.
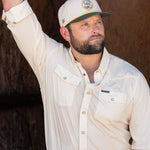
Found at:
<point>113,97</point>
<point>67,76</point>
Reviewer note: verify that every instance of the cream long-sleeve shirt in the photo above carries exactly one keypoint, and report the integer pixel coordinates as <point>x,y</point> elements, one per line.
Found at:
<point>79,115</point>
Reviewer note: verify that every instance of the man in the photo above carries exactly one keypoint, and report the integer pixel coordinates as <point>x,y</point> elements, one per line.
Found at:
<point>92,100</point>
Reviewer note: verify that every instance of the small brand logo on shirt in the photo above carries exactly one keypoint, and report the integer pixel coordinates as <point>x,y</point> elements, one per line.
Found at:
<point>87,4</point>
<point>105,91</point>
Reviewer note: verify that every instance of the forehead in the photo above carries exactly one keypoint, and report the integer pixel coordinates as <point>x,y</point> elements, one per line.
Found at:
<point>90,19</point>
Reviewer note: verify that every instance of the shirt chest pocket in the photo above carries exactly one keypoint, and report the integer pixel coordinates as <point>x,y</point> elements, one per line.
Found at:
<point>111,106</point>
<point>65,86</point>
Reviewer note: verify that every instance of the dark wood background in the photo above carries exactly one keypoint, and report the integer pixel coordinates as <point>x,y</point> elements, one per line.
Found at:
<point>21,109</point>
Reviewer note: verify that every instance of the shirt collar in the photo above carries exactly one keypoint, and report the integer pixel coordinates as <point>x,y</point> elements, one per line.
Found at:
<point>103,64</point>
<point>71,55</point>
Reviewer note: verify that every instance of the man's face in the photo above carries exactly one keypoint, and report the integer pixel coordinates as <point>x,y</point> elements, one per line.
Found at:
<point>87,36</point>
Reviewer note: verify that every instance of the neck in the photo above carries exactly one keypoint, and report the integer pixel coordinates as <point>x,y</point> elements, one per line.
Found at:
<point>89,62</point>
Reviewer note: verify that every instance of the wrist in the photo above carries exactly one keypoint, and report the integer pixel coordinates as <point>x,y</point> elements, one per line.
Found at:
<point>8,4</point>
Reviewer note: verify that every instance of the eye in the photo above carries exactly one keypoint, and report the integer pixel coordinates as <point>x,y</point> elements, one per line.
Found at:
<point>85,24</point>
<point>99,21</point>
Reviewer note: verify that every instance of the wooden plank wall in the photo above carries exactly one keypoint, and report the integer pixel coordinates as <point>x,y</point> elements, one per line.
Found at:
<point>21,125</point>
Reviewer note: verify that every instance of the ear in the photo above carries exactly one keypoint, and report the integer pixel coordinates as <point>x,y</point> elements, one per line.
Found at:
<point>65,33</point>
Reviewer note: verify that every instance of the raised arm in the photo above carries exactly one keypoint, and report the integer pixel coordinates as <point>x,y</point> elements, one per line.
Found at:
<point>34,44</point>
<point>8,4</point>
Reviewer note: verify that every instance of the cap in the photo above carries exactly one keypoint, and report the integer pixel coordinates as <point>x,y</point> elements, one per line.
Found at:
<point>77,10</point>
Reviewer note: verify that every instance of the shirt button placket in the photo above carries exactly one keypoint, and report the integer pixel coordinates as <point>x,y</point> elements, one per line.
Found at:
<point>83,119</point>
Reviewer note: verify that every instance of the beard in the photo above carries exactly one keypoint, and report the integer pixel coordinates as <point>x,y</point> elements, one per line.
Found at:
<point>85,47</point>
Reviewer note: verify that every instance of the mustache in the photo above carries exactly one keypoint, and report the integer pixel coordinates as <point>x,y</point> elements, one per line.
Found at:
<point>97,35</point>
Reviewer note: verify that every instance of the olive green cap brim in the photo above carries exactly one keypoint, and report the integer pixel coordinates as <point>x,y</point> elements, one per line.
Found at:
<point>85,16</point>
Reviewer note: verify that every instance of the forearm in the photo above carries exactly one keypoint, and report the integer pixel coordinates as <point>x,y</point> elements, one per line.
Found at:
<point>8,4</point>
<point>29,36</point>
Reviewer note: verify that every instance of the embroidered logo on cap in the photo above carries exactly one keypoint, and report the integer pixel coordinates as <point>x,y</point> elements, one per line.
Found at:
<point>63,20</point>
<point>87,4</point>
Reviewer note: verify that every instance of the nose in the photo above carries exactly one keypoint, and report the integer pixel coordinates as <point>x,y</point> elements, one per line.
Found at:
<point>95,28</point>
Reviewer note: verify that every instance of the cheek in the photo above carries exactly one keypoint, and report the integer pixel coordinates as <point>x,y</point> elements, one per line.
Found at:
<point>102,30</point>
<point>81,36</point>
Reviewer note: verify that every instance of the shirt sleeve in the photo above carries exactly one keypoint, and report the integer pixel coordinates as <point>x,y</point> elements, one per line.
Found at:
<point>140,119</point>
<point>29,36</point>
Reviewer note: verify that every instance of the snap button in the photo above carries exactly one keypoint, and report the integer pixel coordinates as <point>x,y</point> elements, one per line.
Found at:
<point>83,112</point>
<point>112,99</point>
<point>88,92</point>
<point>65,78</point>
<point>83,132</point>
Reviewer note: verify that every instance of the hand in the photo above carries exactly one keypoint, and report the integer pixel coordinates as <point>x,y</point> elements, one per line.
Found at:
<point>8,4</point>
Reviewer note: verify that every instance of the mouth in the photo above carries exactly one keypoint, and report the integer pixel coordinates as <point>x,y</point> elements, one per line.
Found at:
<point>95,37</point>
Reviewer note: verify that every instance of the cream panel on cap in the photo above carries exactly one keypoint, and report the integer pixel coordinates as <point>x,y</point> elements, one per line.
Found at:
<point>73,9</point>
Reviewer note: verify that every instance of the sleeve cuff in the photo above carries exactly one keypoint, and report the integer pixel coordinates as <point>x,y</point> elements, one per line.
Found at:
<point>17,13</point>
